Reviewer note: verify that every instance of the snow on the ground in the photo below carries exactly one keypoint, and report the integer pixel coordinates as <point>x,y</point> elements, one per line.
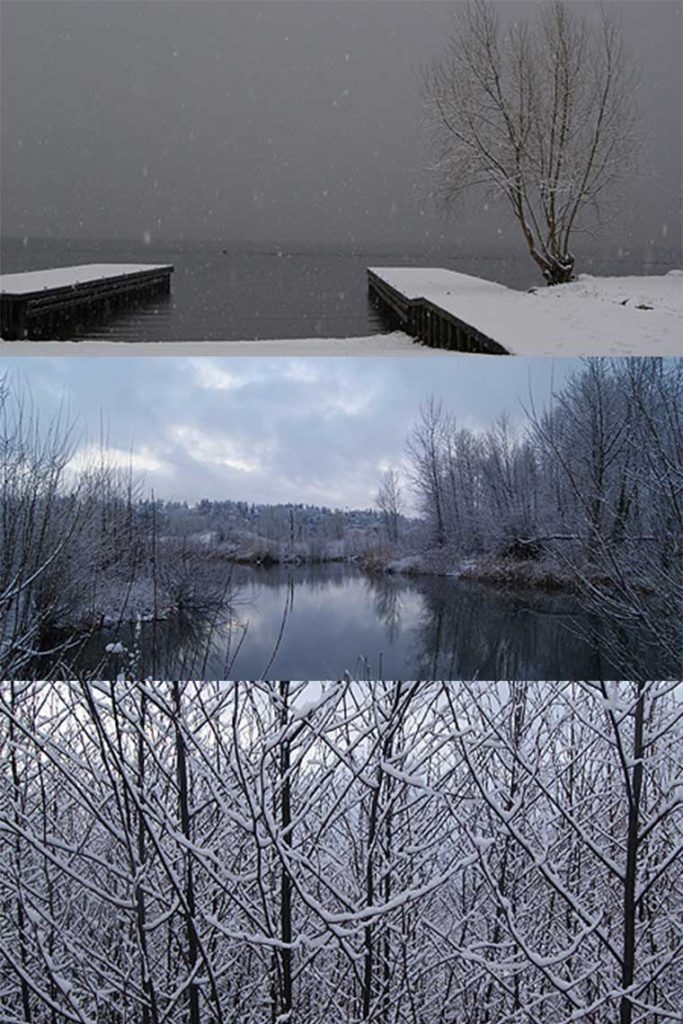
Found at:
<point>67,277</point>
<point>396,344</point>
<point>664,293</point>
<point>589,317</point>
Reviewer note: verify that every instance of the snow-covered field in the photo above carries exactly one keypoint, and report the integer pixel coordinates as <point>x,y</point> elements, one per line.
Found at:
<point>592,316</point>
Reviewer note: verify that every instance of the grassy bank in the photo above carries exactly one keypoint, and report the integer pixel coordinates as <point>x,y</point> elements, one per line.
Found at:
<point>497,570</point>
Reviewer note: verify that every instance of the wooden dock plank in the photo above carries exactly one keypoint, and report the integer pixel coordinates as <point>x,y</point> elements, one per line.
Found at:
<point>592,316</point>
<point>31,302</point>
<point>399,295</point>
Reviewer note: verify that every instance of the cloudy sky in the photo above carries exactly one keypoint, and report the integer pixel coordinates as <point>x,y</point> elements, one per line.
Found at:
<point>268,121</point>
<point>320,431</point>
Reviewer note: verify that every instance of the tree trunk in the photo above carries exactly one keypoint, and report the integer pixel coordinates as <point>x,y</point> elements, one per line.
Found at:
<point>21,918</point>
<point>185,827</point>
<point>559,269</point>
<point>632,844</point>
<point>286,996</point>
<point>150,1014</point>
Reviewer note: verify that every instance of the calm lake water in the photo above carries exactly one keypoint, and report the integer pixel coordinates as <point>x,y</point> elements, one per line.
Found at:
<point>236,294</point>
<point>318,622</point>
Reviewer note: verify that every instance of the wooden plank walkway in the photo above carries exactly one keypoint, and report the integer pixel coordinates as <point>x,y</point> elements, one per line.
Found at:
<point>593,316</point>
<point>398,292</point>
<point>34,304</point>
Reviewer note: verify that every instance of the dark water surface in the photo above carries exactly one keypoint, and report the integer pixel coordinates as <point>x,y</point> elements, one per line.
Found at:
<point>318,622</point>
<point>219,292</point>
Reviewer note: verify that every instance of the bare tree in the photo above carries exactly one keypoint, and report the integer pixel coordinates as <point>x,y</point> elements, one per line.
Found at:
<point>40,518</point>
<point>616,438</point>
<point>424,447</point>
<point>390,504</point>
<point>542,114</point>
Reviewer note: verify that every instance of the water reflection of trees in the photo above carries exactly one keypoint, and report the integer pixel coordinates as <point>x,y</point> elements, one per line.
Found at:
<point>189,644</point>
<point>627,650</point>
<point>188,647</point>
<point>317,578</point>
<point>387,593</point>
<point>468,631</point>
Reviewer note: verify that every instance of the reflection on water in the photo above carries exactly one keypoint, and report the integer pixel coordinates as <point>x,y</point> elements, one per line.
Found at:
<point>115,311</point>
<point>318,622</point>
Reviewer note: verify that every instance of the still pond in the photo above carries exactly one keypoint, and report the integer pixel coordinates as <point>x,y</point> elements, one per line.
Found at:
<point>320,622</point>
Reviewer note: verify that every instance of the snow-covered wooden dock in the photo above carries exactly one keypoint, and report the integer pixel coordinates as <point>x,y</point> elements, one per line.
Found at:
<point>592,316</point>
<point>33,303</point>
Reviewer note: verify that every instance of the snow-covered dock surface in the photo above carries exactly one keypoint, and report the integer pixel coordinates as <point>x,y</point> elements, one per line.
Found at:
<point>43,303</point>
<point>395,344</point>
<point>592,316</point>
<point>68,277</point>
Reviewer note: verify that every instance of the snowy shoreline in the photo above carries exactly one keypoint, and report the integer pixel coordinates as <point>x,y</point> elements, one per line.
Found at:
<point>495,571</point>
<point>592,316</point>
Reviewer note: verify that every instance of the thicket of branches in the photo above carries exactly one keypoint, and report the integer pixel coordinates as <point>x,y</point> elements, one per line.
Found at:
<point>396,853</point>
<point>77,548</point>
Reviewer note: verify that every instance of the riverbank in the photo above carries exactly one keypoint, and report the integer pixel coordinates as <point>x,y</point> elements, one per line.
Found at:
<point>497,571</point>
<point>210,581</point>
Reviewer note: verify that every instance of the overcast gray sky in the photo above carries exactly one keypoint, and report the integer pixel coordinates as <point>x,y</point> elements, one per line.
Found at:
<point>320,431</point>
<point>271,122</point>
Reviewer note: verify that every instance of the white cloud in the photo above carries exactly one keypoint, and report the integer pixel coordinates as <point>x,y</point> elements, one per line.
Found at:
<point>300,370</point>
<point>141,460</point>
<point>281,429</point>
<point>221,451</point>
<point>214,378</point>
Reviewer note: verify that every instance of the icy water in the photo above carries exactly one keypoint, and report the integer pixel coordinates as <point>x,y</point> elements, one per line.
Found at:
<point>318,622</point>
<point>219,292</point>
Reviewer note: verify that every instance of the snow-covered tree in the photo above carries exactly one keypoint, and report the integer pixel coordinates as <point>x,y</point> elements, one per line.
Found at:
<point>390,504</point>
<point>540,113</point>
